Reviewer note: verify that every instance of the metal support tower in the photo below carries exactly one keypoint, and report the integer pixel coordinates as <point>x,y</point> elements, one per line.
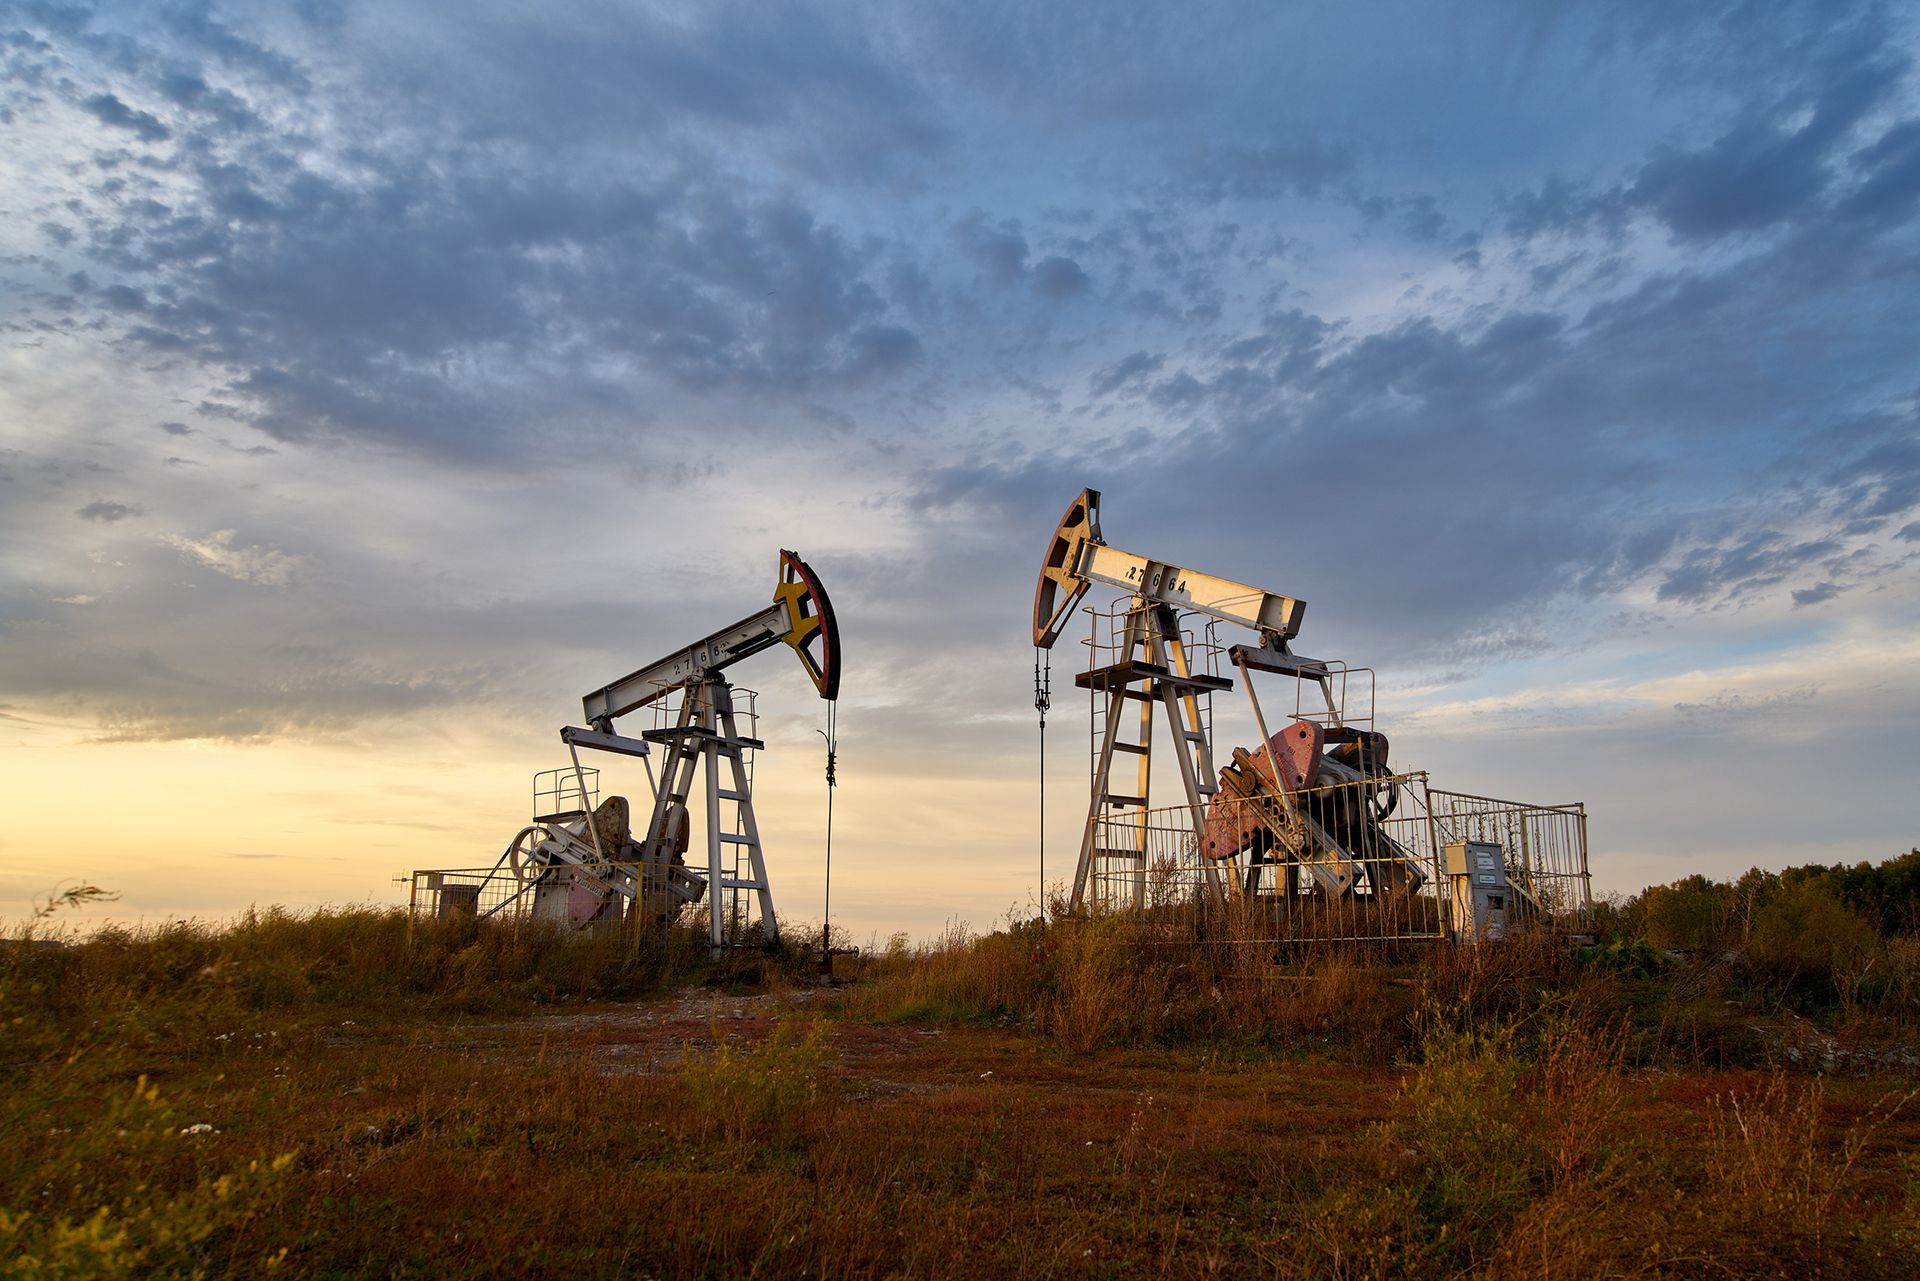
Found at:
<point>706,735</point>
<point>1151,669</point>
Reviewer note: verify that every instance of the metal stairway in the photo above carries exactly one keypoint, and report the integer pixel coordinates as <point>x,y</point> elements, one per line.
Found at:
<point>706,733</point>
<point>1152,667</point>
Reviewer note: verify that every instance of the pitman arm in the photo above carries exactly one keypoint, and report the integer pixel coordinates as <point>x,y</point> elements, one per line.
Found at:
<point>801,616</point>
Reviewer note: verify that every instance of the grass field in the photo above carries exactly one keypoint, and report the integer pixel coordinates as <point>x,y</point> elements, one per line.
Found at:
<point>319,1096</point>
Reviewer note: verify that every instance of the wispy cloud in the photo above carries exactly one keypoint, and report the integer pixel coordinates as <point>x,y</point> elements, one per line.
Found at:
<point>217,551</point>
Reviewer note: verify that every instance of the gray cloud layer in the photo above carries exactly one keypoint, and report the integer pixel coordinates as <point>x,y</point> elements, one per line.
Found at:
<point>351,349</point>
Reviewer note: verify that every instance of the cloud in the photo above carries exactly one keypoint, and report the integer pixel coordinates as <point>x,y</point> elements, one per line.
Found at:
<point>1889,178</point>
<point>1745,180</point>
<point>318,697</point>
<point>109,110</point>
<point>1751,562</point>
<point>264,566</point>
<point>1128,371</point>
<point>1563,205</point>
<point>1788,154</point>
<point>190,91</point>
<point>1294,166</point>
<point>534,334</point>
<point>1058,278</point>
<point>366,293</point>
<point>342,329</point>
<point>320,706</point>
<point>806,87</point>
<point>999,248</point>
<point>1816,594</point>
<point>106,511</point>
<point>198,28</point>
<point>1730,704</point>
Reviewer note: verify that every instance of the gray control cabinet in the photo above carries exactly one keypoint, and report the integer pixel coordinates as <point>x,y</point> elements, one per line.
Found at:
<point>1482,900</point>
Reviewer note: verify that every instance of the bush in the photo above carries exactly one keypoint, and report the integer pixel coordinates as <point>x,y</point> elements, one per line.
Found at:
<point>1691,915</point>
<point>960,976</point>
<point>156,984</point>
<point>1628,958</point>
<point>1807,932</point>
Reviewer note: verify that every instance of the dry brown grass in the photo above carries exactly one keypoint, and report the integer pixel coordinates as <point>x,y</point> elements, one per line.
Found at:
<point>1083,1100</point>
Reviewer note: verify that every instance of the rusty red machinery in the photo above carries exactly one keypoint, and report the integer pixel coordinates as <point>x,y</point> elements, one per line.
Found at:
<point>1311,794</point>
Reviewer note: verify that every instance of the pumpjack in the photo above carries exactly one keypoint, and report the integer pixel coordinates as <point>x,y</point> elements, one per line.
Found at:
<point>582,862</point>
<point>1310,800</point>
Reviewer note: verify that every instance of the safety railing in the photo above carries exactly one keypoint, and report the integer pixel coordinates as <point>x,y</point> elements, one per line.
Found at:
<point>563,793</point>
<point>1353,860</point>
<point>573,895</point>
<point>1108,637</point>
<point>1545,846</point>
<point>1344,697</point>
<point>1343,862</point>
<point>1108,642</point>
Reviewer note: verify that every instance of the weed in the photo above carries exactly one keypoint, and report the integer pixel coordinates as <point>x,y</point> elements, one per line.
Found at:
<point>1580,1088</point>
<point>745,1092</point>
<point>1100,990</point>
<point>178,1220</point>
<point>1458,1116</point>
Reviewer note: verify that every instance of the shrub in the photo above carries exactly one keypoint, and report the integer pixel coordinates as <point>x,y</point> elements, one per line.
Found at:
<point>1808,934</point>
<point>1690,915</point>
<point>1628,958</point>
<point>175,1222</point>
<point>961,975</point>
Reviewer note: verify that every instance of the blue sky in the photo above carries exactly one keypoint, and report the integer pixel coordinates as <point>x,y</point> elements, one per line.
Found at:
<point>378,378</point>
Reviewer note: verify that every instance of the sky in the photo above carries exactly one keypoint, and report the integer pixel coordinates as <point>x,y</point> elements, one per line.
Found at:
<point>378,379</point>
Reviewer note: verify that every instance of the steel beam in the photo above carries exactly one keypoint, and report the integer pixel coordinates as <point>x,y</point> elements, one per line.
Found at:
<point>729,645</point>
<point>1165,583</point>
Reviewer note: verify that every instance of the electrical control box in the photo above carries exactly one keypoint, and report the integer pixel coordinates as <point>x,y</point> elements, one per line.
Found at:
<point>1477,873</point>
